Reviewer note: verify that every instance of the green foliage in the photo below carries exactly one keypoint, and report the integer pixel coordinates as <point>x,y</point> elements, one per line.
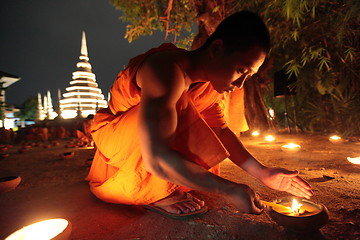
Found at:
<point>146,16</point>
<point>28,109</point>
<point>315,40</point>
<point>336,112</point>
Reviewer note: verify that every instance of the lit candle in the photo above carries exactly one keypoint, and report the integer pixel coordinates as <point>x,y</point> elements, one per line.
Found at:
<point>269,138</point>
<point>335,139</point>
<point>299,215</point>
<point>295,207</point>
<point>293,210</point>
<point>277,207</point>
<point>44,230</point>
<point>255,133</point>
<point>291,148</point>
<point>355,160</point>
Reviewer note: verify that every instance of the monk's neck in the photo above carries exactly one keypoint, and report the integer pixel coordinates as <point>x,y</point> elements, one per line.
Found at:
<point>193,64</point>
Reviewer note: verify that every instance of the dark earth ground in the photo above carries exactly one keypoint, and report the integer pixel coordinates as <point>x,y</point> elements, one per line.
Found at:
<point>52,187</point>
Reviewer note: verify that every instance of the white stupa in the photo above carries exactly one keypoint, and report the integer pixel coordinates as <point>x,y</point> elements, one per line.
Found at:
<point>45,109</point>
<point>83,97</point>
<point>40,114</point>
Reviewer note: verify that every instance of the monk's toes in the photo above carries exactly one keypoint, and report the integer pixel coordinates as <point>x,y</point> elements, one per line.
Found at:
<point>173,209</point>
<point>196,201</point>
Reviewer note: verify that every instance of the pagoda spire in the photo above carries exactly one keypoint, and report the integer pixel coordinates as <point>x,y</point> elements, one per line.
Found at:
<point>83,96</point>
<point>84,51</point>
<point>40,110</point>
<point>50,111</point>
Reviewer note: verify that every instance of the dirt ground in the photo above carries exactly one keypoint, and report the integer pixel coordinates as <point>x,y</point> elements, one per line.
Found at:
<point>52,187</point>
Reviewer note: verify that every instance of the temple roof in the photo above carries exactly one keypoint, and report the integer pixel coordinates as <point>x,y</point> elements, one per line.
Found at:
<point>7,79</point>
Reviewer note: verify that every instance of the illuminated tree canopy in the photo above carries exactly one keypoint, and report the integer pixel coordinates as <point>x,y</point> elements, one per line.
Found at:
<point>315,40</point>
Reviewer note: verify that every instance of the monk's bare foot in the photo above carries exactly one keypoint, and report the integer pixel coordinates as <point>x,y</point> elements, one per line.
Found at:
<point>180,202</point>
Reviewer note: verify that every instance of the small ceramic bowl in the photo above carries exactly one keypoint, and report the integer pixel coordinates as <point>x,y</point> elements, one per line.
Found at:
<point>310,221</point>
<point>336,140</point>
<point>67,155</point>
<point>290,148</point>
<point>9,183</point>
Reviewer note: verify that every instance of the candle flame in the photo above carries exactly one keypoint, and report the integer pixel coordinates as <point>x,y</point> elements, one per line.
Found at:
<point>43,230</point>
<point>355,160</point>
<point>291,145</point>
<point>295,207</point>
<point>269,138</point>
<point>255,133</point>
<point>291,148</point>
<point>335,137</point>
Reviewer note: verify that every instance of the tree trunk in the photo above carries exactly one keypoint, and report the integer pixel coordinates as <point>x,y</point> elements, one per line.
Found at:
<point>256,112</point>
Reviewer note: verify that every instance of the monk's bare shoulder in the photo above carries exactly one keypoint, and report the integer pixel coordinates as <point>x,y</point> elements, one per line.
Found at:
<point>161,77</point>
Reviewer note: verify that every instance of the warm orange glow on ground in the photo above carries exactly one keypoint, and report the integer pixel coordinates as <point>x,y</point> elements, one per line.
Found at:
<point>43,230</point>
<point>291,148</point>
<point>269,138</point>
<point>336,139</point>
<point>355,160</point>
<point>255,133</point>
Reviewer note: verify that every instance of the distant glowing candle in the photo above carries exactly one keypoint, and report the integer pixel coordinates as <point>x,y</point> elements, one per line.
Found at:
<point>44,230</point>
<point>291,148</point>
<point>269,138</point>
<point>336,139</point>
<point>272,113</point>
<point>255,133</point>
<point>355,160</point>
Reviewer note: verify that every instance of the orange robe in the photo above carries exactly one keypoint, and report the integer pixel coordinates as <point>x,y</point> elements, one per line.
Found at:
<point>117,173</point>
<point>234,111</point>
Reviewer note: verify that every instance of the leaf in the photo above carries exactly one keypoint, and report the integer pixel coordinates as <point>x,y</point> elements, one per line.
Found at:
<point>349,54</point>
<point>292,68</point>
<point>215,9</point>
<point>313,12</point>
<point>295,35</point>
<point>324,62</point>
<point>321,89</point>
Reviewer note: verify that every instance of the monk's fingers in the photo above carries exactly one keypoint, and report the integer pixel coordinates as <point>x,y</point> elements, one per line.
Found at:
<point>257,202</point>
<point>294,190</point>
<point>302,182</point>
<point>257,209</point>
<point>308,192</point>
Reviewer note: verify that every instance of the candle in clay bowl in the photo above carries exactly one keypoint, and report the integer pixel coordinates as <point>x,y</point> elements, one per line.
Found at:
<point>300,215</point>
<point>336,139</point>
<point>290,148</point>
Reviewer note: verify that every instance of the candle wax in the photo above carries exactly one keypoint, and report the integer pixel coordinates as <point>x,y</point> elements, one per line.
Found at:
<point>307,209</point>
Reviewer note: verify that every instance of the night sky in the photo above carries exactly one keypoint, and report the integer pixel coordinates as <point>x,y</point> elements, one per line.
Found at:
<point>40,42</point>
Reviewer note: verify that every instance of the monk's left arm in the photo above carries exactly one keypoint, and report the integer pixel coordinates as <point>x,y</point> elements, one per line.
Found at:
<point>238,153</point>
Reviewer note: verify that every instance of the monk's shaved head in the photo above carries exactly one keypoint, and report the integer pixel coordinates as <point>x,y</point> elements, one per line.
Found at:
<point>240,32</point>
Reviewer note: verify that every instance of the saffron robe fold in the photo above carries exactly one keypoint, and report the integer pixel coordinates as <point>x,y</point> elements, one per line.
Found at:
<point>117,173</point>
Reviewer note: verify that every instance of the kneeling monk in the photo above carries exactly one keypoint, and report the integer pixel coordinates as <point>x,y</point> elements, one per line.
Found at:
<point>164,131</point>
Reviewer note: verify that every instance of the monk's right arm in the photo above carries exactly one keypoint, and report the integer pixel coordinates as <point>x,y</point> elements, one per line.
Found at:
<point>157,124</point>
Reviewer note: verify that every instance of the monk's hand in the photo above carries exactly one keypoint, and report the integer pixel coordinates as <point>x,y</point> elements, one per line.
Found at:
<point>288,181</point>
<point>246,200</point>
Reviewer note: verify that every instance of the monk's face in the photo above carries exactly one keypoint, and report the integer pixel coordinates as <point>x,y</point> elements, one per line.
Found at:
<point>226,71</point>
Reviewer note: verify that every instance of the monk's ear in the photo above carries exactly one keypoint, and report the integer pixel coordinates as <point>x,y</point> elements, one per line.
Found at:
<point>216,48</point>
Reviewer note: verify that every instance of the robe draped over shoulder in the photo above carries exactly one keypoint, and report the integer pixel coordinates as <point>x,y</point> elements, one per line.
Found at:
<point>117,173</point>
